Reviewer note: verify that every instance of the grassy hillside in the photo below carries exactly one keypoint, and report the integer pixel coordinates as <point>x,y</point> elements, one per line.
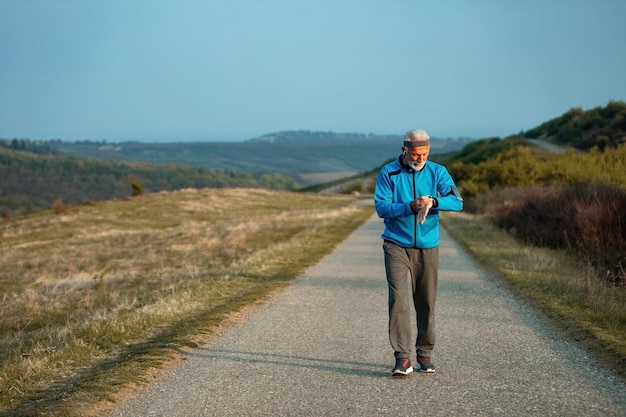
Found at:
<point>601,127</point>
<point>101,294</point>
<point>32,181</point>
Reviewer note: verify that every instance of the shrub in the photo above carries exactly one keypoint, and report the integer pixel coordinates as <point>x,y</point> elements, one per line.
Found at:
<point>513,167</point>
<point>58,206</point>
<point>587,219</point>
<point>136,186</point>
<point>518,166</point>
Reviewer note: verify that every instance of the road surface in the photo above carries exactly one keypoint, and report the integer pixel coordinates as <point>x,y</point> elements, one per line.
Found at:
<point>320,348</point>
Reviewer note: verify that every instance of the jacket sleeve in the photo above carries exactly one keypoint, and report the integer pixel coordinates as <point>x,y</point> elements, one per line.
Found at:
<point>449,198</point>
<point>383,199</point>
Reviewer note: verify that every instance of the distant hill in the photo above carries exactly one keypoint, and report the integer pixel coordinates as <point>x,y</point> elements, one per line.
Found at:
<point>35,174</point>
<point>313,136</point>
<point>32,178</point>
<point>307,157</point>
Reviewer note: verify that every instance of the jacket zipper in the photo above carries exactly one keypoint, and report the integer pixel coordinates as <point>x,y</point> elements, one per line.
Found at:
<point>414,214</point>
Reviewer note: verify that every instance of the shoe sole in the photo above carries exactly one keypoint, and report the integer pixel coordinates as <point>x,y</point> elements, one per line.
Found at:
<point>402,373</point>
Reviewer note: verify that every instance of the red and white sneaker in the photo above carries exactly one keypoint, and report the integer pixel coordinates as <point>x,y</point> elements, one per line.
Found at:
<point>403,367</point>
<point>426,364</point>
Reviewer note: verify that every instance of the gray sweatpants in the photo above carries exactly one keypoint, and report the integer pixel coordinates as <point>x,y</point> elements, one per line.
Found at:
<point>421,266</point>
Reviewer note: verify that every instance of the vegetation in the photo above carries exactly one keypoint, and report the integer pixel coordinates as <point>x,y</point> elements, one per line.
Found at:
<point>26,145</point>
<point>31,181</point>
<point>601,127</point>
<point>102,293</point>
<point>570,201</point>
<point>553,224</point>
<point>584,219</point>
<point>518,165</point>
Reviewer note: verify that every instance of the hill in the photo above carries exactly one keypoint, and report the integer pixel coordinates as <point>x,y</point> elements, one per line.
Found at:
<point>601,127</point>
<point>307,157</point>
<point>31,181</point>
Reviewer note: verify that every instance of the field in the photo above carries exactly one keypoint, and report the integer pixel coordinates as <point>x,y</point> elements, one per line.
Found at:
<point>95,296</point>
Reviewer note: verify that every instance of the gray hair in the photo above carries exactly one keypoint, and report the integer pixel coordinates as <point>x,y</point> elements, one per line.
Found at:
<point>416,135</point>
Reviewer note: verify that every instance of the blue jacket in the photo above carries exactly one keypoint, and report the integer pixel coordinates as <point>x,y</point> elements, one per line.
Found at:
<point>397,186</point>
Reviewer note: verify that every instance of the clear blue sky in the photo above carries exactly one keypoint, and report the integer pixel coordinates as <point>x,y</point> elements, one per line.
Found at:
<point>184,70</point>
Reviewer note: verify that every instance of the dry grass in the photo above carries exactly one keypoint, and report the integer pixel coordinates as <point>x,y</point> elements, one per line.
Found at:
<point>583,306</point>
<point>95,296</point>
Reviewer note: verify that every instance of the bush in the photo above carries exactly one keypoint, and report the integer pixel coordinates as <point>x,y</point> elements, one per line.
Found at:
<point>587,219</point>
<point>519,167</point>
<point>135,185</point>
<point>58,206</point>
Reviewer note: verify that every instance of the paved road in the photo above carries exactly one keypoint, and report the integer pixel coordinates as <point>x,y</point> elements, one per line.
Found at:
<point>320,348</point>
<point>549,146</point>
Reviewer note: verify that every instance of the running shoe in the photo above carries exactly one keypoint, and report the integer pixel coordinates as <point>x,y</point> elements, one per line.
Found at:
<point>403,367</point>
<point>426,364</point>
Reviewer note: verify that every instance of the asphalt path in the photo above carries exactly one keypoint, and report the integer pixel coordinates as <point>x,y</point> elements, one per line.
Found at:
<point>320,348</point>
<point>549,146</point>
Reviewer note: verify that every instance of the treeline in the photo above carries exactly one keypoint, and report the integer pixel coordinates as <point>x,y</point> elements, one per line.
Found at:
<point>31,182</point>
<point>26,145</point>
<point>574,201</point>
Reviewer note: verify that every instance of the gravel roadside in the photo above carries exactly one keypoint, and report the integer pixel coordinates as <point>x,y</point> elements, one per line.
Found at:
<point>320,348</point>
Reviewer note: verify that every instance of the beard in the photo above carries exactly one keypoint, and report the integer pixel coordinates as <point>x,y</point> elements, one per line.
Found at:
<point>414,164</point>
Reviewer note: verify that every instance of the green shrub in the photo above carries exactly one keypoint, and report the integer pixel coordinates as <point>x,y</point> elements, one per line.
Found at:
<point>518,166</point>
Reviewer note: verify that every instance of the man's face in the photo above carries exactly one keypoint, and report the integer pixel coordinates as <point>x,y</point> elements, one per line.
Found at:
<point>416,156</point>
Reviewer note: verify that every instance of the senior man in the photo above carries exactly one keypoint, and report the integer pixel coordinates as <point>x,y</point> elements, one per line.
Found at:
<point>410,192</point>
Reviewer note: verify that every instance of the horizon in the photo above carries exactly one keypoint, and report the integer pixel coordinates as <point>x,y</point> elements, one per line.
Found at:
<point>105,141</point>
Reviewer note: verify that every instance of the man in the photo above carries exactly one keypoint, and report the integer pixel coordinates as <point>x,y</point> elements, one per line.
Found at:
<point>410,192</point>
